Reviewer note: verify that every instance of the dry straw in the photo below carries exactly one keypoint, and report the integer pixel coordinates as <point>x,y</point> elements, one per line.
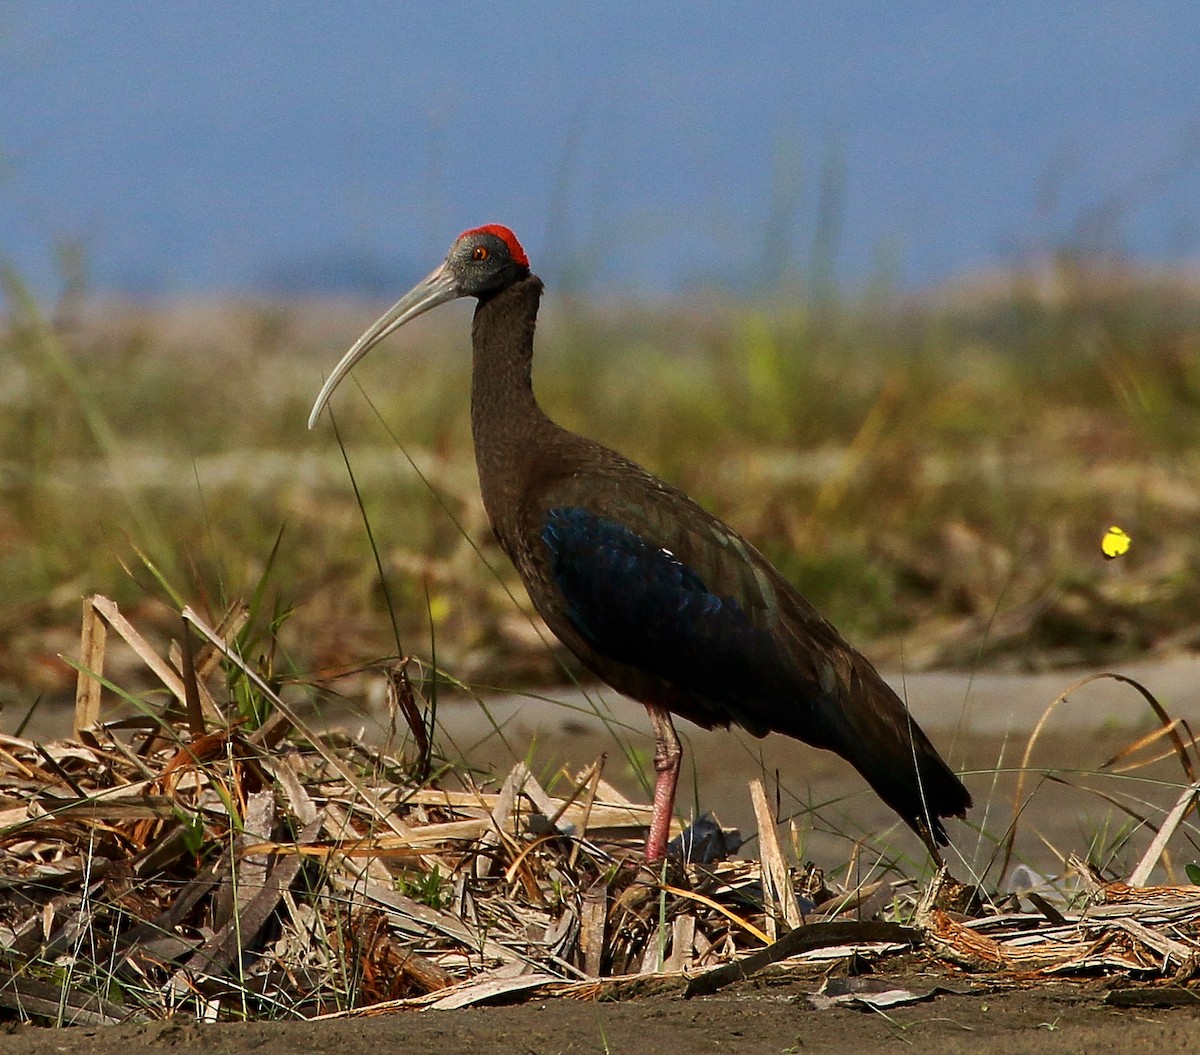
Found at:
<point>183,862</point>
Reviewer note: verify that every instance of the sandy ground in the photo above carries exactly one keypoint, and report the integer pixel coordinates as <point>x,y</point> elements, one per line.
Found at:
<point>981,723</point>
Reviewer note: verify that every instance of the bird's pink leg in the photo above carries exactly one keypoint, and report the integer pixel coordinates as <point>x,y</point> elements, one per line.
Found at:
<point>668,753</point>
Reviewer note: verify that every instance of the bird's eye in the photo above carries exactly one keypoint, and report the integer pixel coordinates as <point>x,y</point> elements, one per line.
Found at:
<point>479,253</point>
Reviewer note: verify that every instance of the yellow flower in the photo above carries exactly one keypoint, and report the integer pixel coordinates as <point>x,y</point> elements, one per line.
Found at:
<point>1115,543</point>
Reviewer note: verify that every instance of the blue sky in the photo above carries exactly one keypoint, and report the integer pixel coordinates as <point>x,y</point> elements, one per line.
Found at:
<point>233,147</point>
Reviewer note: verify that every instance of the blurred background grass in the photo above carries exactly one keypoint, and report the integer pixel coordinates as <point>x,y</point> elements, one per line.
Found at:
<point>935,471</point>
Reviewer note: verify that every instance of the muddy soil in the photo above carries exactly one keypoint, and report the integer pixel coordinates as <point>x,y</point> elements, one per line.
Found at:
<point>777,1018</point>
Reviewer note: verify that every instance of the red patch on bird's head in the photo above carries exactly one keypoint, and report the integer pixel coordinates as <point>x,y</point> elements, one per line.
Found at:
<point>506,236</point>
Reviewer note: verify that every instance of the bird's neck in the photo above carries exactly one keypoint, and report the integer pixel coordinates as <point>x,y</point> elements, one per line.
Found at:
<point>512,434</point>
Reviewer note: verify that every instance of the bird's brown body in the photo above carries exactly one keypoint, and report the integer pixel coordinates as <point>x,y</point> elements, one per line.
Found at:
<point>653,594</point>
<point>826,693</point>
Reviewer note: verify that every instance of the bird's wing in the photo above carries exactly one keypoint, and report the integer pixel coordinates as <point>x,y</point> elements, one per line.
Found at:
<point>648,582</point>
<point>673,592</point>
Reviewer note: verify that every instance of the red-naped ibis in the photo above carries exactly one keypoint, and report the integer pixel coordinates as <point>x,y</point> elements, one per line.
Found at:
<point>652,593</point>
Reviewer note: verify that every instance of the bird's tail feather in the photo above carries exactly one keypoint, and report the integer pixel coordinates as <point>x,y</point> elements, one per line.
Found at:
<point>882,740</point>
<point>913,779</point>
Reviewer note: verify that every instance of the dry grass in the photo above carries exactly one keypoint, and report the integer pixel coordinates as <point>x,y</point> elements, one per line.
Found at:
<point>209,859</point>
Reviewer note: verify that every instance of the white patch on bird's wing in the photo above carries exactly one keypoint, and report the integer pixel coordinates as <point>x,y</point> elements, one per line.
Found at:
<point>766,589</point>
<point>828,678</point>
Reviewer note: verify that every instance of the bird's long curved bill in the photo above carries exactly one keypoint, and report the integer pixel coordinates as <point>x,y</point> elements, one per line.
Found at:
<point>434,289</point>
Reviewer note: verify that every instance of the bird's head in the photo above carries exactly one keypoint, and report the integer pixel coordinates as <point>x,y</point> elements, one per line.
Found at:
<point>485,259</point>
<point>482,261</point>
